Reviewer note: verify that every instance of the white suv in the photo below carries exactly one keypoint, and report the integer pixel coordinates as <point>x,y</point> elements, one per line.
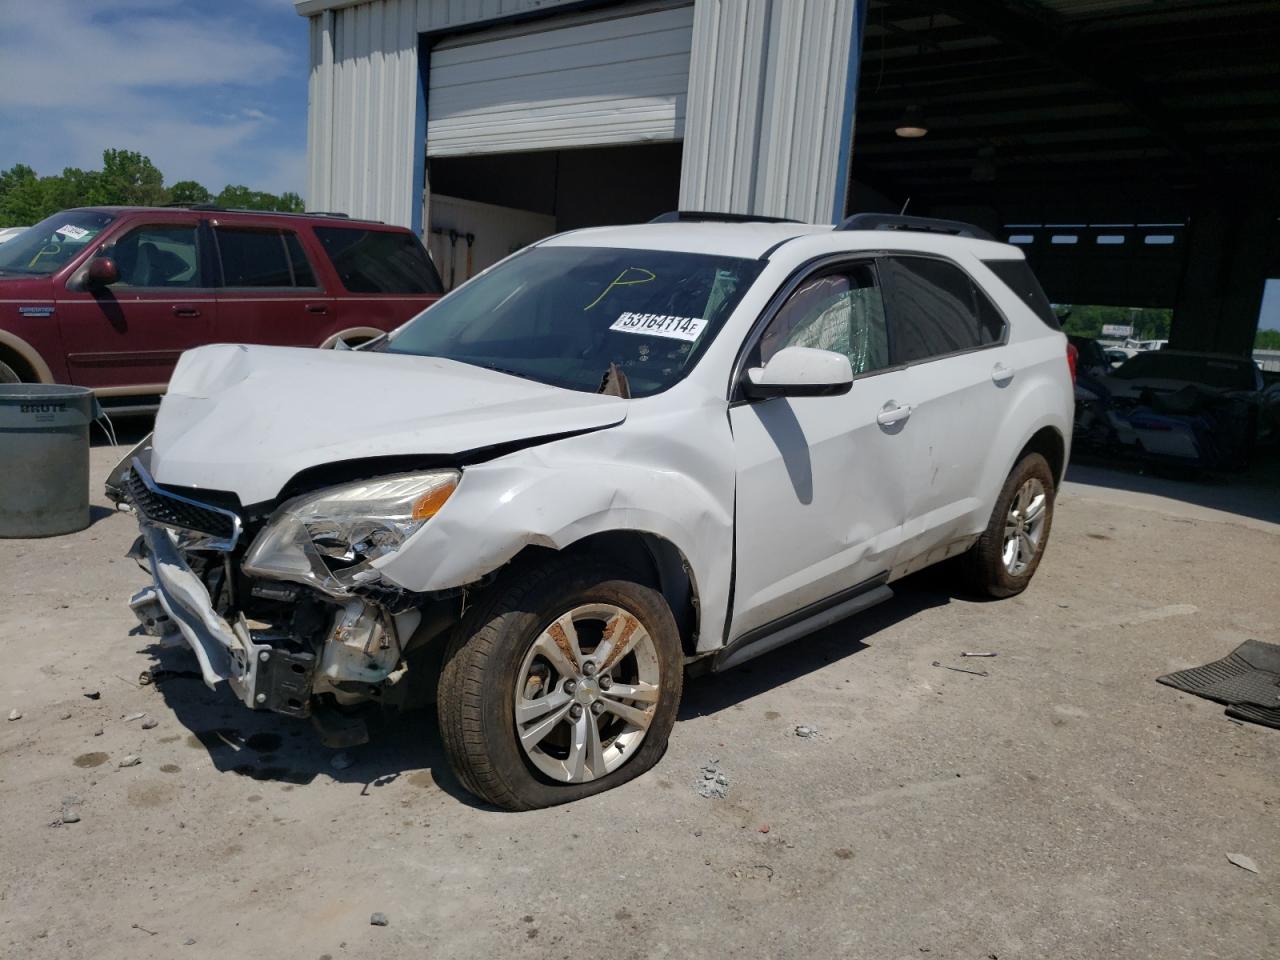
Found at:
<point>616,454</point>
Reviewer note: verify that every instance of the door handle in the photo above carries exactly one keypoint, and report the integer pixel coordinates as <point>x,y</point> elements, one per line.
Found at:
<point>317,308</point>
<point>893,412</point>
<point>1001,374</point>
<point>186,310</point>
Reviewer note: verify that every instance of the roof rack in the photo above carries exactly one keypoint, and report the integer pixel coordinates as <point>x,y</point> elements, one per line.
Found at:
<point>893,221</point>
<point>702,216</point>
<point>274,213</point>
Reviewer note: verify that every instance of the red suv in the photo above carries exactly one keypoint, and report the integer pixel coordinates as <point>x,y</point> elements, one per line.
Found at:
<point>108,297</point>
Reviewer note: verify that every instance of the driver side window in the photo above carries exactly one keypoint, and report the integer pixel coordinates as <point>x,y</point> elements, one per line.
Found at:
<point>158,256</point>
<point>839,309</point>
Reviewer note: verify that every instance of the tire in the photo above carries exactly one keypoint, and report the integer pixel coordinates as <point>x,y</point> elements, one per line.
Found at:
<point>8,374</point>
<point>508,647</point>
<point>986,567</point>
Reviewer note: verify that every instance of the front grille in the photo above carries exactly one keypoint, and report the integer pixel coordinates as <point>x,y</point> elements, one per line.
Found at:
<point>180,513</point>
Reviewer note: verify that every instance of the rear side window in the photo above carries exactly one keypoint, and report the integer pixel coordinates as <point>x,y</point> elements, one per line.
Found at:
<point>935,308</point>
<point>262,258</point>
<point>1017,276</point>
<point>379,261</point>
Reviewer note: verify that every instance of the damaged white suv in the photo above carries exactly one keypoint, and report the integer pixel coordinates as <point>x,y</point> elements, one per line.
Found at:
<point>617,454</point>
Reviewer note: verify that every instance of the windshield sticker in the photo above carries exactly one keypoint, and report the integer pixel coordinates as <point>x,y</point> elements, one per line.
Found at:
<point>72,232</point>
<point>660,325</point>
<point>622,280</point>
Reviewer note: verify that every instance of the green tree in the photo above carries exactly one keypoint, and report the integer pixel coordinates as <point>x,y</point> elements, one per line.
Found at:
<point>1267,340</point>
<point>20,200</point>
<point>129,178</point>
<point>126,178</point>
<point>188,191</point>
<point>1086,320</point>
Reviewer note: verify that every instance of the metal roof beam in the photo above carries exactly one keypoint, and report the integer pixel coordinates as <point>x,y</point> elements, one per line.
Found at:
<point>1074,56</point>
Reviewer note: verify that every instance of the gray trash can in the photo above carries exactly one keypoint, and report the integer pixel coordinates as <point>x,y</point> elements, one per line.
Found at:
<point>44,458</point>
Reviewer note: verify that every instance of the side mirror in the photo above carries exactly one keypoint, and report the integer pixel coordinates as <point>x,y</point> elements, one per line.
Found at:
<point>800,372</point>
<point>102,272</point>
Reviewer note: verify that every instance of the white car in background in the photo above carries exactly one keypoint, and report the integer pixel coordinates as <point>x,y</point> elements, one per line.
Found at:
<point>619,453</point>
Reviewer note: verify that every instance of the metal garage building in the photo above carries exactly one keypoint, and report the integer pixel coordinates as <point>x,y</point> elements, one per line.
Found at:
<point>1129,145</point>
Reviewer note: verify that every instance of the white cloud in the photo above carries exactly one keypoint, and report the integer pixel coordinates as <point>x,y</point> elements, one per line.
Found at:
<point>52,54</point>
<point>163,77</point>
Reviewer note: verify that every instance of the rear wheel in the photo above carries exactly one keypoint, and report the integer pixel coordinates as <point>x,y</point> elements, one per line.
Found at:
<point>562,683</point>
<point>1005,558</point>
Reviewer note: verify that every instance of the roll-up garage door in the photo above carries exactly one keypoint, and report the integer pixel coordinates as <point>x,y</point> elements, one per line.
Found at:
<point>610,76</point>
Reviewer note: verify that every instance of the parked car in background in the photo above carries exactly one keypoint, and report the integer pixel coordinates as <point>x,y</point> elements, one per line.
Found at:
<point>1091,358</point>
<point>8,233</point>
<point>110,297</point>
<point>1202,410</point>
<point>618,453</point>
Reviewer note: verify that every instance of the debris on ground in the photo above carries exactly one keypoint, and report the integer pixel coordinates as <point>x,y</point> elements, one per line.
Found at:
<point>150,723</point>
<point>976,673</point>
<point>189,942</point>
<point>132,760</point>
<point>65,715</point>
<point>94,695</point>
<point>341,760</point>
<point>763,828</point>
<point>378,920</point>
<point>98,732</point>
<point>134,716</point>
<point>15,714</point>
<point>711,783</point>
<point>969,653</point>
<point>1243,862</point>
<point>806,731</point>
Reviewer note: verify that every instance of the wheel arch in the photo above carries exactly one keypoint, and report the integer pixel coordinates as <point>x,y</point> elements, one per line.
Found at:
<point>24,359</point>
<point>1050,444</point>
<point>658,560</point>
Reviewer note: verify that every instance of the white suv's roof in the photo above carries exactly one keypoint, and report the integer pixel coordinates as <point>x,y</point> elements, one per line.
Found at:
<point>749,240</point>
<point>752,240</point>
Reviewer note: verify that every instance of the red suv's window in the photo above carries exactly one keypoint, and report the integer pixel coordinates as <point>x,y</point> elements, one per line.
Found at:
<point>379,261</point>
<point>262,258</point>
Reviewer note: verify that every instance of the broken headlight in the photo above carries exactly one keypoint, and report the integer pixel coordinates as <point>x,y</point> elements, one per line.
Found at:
<point>330,539</point>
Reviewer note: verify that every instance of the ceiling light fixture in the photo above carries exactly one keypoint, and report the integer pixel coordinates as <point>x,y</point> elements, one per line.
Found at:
<point>912,125</point>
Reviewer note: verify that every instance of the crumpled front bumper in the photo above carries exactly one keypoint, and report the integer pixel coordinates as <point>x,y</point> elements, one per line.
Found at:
<point>179,603</point>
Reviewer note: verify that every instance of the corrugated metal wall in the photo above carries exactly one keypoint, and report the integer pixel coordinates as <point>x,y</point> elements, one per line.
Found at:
<point>767,123</point>
<point>770,99</point>
<point>361,146</point>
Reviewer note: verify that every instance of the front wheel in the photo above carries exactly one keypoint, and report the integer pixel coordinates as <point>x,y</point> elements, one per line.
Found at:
<point>1005,558</point>
<point>563,682</point>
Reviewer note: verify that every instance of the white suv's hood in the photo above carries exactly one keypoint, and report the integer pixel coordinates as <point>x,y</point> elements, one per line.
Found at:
<point>248,418</point>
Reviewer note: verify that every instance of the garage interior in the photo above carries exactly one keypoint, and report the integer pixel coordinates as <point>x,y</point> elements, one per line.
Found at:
<point>1129,146</point>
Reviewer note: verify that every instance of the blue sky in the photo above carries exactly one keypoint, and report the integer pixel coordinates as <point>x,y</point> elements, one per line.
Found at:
<point>210,90</point>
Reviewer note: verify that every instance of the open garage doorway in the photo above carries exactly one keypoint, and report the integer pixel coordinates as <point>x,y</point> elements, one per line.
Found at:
<point>482,208</point>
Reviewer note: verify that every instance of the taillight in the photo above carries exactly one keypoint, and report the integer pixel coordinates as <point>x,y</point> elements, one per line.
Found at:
<point>1072,356</point>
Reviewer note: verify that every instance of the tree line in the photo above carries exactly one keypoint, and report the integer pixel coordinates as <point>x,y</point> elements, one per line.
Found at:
<point>127,178</point>
<point>1148,323</point>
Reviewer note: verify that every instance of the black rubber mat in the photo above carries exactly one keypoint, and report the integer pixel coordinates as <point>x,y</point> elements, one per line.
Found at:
<point>1247,681</point>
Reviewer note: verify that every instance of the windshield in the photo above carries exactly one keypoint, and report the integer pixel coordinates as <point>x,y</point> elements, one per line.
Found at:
<point>562,315</point>
<point>1220,373</point>
<point>52,243</point>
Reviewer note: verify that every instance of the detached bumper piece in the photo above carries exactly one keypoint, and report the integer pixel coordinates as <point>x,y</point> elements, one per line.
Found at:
<point>262,676</point>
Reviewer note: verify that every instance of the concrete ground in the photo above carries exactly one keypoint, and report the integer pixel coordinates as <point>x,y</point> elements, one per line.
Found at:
<point>1062,805</point>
